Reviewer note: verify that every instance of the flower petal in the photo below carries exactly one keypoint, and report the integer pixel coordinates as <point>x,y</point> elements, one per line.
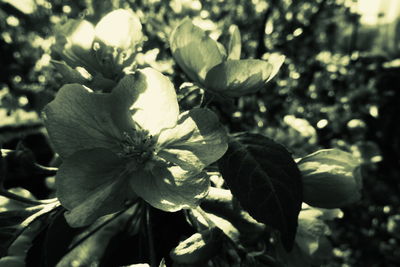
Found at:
<point>239,77</point>
<point>235,43</point>
<point>194,50</point>
<point>197,141</point>
<point>170,189</point>
<point>120,28</point>
<point>90,184</point>
<point>151,98</point>
<point>74,41</point>
<point>80,119</point>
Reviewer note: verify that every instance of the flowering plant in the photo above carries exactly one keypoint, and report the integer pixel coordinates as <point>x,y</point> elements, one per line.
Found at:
<point>130,149</point>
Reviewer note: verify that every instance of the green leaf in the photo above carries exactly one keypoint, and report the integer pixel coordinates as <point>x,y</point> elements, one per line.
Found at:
<point>235,43</point>
<point>13,217</point>
<point>17,222</point>
<point>10,227</point>
<point>264,178</point>
<point>19,247</point>
<point>239,77</point>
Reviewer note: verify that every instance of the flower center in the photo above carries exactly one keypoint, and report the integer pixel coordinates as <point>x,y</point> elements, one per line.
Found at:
<point>138,145</point>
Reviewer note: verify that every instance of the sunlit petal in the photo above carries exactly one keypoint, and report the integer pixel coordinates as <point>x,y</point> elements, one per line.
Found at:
<point>150,96</point>
<point>80,119</point>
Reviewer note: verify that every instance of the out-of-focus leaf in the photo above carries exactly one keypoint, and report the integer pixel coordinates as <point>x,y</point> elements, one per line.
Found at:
<point>14,222</point>
<point>264,178</point>
<point>18,249</point>
<point>13,217</point>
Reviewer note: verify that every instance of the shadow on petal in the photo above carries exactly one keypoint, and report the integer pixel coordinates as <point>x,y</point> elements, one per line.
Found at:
<point>92,183</point>
<point>170,189</point>
<point>197,141</point>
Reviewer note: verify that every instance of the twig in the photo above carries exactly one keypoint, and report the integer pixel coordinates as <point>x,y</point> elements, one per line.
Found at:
<point>16,197</point>
<point>153,260</point>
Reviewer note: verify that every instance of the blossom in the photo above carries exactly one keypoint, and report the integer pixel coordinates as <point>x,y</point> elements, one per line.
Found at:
<point>105,49</point>
<point>331,178</point>
<point>207,62</point>
<point>128,143</point>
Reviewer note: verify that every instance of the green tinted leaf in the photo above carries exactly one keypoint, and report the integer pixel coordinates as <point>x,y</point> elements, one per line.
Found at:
<point>194,50</point>
<point>10,227</point>
<point>264,178</point>
<point>235,43</point>
<point>14,222</point>
<point>13,217</point>
<point>238,77</point>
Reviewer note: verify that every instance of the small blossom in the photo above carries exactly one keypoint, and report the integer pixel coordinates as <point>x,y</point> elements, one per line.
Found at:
<point>128,143</point>
<point>106,48</point>
<point>206,62</point>
<point>331,178</point>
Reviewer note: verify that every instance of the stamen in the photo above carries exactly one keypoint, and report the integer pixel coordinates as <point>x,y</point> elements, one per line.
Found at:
<point>138,145</point>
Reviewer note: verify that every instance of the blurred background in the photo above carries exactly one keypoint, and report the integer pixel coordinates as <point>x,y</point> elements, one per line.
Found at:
<point>339,87</point>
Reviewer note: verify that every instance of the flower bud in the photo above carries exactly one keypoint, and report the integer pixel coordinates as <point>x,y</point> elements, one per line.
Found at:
<point>106,49</point>
<point>331,178</point>
<point>120,29</point>
<point>117,37</point>
<point>198,248</point>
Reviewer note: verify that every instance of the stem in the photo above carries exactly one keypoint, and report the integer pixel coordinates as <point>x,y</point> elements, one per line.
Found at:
<point>153,260</point>
<point>16,197</point>
<point>205,217</point>
<point>49,171</point>
<point>207,99</point>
